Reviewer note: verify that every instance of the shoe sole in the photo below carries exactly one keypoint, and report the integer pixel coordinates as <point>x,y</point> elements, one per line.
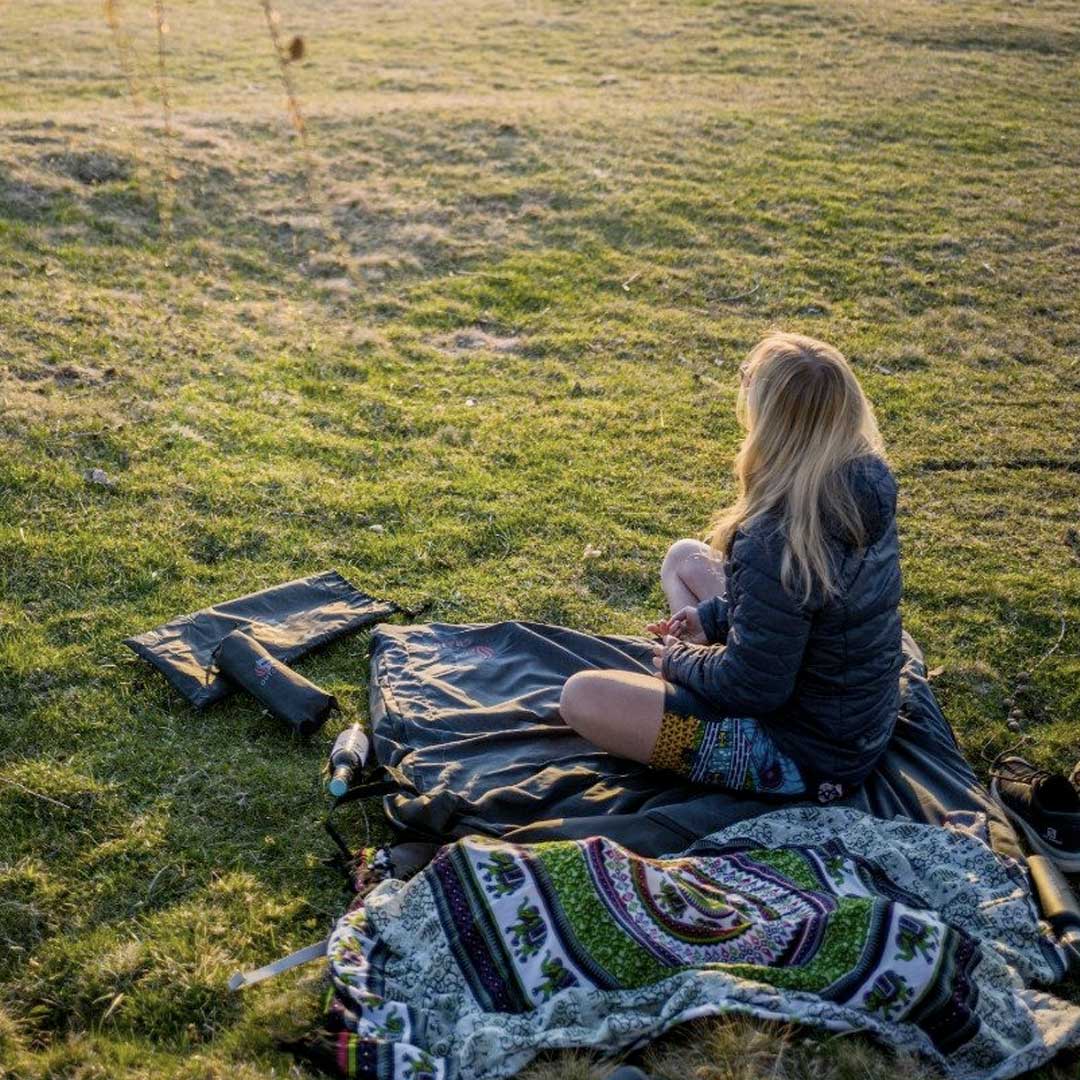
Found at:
<point>1069,863</point>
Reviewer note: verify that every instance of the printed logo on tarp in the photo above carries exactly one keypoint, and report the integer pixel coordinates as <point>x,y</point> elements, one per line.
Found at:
<point>468,650</point>
<point>264,668</point>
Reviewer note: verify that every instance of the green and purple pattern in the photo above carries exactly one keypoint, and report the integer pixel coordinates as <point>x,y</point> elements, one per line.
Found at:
<point>917,935</point>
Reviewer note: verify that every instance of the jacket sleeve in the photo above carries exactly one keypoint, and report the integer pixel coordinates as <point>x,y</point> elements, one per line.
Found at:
<point>755,672</point>
<point>713,615</point>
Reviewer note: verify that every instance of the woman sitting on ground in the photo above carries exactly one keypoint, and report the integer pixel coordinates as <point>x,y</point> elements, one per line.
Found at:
<point>779,668</point>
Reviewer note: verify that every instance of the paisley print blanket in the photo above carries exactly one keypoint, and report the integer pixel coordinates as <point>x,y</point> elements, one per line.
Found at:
<point>917,935</point>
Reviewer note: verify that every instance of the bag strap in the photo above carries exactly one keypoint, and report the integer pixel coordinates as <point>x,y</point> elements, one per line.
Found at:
<point>372,789</point>
<point>391,780</point>
<point>241,980</point>
<point>368,790</point>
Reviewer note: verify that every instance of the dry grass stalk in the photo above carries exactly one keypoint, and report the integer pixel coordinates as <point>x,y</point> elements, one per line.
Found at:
<point>167,201</point>
<point>122,44</point>
<point>314,174</point>
<point>126,62</point>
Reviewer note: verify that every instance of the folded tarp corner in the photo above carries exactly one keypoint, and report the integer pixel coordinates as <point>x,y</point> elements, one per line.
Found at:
<point>288,620</point>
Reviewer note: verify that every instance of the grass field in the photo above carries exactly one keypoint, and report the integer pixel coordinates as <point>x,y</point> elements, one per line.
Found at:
<point>492,320</point>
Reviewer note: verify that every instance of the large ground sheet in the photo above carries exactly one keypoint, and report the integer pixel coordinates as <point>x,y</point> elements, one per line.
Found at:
<point>467,719</point>
<point>919,935</point>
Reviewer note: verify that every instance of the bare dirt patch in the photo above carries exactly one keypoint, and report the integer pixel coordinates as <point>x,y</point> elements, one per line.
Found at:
<point>90,167</point>
<point>68,374</point>
<point>473,339</point>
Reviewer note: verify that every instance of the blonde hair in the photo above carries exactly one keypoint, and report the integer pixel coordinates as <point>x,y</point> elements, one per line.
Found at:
<point>805,416</point>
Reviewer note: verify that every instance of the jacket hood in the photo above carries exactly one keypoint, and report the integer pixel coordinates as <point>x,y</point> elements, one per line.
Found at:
<point>873,487</point>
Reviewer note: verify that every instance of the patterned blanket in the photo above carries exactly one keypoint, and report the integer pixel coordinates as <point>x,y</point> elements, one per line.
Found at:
<point>917,935</point>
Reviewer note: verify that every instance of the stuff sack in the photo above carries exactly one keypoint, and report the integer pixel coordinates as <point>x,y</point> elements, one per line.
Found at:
<point>287,620</point>
<point>284,692</point>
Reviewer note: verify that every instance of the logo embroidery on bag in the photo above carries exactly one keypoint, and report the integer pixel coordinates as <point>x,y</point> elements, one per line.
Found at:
<point>1051,835</point>
<point>264,668</point>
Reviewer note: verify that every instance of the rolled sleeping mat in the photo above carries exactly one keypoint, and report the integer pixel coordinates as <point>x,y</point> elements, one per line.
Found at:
<point>287,695</point>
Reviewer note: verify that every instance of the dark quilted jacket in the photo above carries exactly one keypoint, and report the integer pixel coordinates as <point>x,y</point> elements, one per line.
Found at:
<point>824,677</point>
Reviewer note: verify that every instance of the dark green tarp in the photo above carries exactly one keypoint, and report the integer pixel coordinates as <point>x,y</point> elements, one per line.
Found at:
<point>467,719</point>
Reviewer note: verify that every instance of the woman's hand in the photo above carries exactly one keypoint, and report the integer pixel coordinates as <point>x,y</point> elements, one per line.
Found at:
<point>660,650</point>
<point>685,625</point>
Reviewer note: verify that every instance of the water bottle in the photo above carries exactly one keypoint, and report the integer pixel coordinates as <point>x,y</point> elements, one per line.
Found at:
<point>349,754</point>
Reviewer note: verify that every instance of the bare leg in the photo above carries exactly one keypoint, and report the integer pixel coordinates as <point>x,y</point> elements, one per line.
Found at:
<point>690,574</point>
<point>618,711</point>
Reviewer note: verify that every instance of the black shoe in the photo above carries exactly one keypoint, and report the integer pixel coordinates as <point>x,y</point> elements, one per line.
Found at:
<point>1044,805</point>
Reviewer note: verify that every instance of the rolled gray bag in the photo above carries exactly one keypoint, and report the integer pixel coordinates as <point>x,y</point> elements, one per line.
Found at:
<point>287,695</point>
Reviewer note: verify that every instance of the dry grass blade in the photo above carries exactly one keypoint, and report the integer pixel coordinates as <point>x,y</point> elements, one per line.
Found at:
<point>36,794</point>
<point>1053,648</point>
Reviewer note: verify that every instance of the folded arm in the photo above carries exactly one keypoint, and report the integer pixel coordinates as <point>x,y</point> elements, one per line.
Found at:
<point>713,615</point>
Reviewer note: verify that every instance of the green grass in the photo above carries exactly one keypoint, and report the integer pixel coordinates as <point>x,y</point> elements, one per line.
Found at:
<point>566,224</point>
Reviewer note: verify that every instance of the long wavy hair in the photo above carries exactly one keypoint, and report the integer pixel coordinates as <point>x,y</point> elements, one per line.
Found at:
<point>805,416</point>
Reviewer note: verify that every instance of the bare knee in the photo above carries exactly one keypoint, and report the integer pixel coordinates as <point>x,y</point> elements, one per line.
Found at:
<point>617,711</point>
<point>579,698</point>
<point>679,554</point>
